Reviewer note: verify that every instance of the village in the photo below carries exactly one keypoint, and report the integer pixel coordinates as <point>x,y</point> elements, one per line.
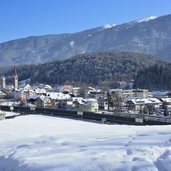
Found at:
<point>85,99</point>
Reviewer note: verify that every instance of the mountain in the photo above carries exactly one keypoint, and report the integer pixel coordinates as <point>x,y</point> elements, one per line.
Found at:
<point>102,69</point>
<point>150,35</point>
<point>147,19</point>
<point>155,77</point>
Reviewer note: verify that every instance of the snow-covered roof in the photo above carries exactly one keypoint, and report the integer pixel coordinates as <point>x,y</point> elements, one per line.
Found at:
<point>43,98</point>
<point>115,90</point>
<point>168,100</point>
<point>33,97</point>
<point>84,101</point>
<point>58,95</point>
<point>48,86</point>
<point>80,100</point>
<point>91,88</point>
<point>90,100</point>
<point>40,91</point>
<point>146,101</point>
<point>76,88</point>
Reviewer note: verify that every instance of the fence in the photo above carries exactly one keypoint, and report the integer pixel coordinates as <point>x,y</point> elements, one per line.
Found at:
<point>90,116</point>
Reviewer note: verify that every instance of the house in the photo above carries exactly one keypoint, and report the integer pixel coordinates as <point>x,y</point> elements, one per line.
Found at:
<point>50,100</point>
<point>127,93</point>
<point>65,104</point>
<point>78,103</point>
<point>23,94</point>
<point>138,104</point>
<point>48,87</point>
<point>166,103</point>
<point>59,96</point>
<point>166,100</point>
<point>60,100</point>
<point>91,106</point>
<point>87,105</point>
<point>95,94</point>
<point>45,102</point>
<point>140,93</point>
<point>76,91</point>
<point>40,91</point>
<point>32,99</point>
<point>67,88</point>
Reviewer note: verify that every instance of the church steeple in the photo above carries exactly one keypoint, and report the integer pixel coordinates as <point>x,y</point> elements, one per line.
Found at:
<point>15,71</point>
<point>15,78</point>
<point>2,82</point>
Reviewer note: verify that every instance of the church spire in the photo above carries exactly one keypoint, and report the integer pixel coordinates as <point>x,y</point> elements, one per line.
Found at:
<point>2,82</point>
<point>15,71</point>
<point>15,78</point>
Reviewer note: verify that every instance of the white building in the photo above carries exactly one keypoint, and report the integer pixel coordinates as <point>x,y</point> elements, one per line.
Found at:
<point>137,103</point>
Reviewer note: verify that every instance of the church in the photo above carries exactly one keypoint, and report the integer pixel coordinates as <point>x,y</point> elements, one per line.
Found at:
<point>14,80</point>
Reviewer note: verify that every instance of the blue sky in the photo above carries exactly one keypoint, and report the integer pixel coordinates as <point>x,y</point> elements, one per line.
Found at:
<point>22,18</point>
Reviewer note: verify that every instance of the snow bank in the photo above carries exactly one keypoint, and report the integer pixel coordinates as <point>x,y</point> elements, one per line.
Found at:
<point>50,143</point>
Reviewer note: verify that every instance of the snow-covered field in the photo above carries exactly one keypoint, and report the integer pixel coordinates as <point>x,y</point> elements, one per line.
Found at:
<point>50,143</point>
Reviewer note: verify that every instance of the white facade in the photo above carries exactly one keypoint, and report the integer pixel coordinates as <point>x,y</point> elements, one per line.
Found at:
<point>2,82</point>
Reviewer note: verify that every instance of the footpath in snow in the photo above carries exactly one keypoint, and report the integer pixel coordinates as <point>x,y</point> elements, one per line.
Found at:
<point>44,143</point>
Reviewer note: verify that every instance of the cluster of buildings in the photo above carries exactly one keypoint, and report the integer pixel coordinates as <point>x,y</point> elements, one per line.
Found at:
<point>84,99</point>
<point>140,101</point>
<point>44,96</point>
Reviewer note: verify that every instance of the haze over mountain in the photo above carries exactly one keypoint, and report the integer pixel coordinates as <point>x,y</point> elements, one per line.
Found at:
<point>150,35</point>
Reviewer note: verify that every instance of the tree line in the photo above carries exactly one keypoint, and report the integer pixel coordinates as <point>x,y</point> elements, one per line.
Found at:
<point>156,77</point>
<point>101,69</point>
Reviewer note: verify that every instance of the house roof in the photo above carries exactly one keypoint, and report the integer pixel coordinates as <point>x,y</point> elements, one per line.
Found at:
<point>40,91</point>
<point>48,86</point>
<point>79,100</point>
<point>33,97</point>
<point>58,95</point>
<point>167,100</point>
<point>146,101</point>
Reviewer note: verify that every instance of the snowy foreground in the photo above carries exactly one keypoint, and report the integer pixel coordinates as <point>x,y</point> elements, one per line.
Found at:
<point>50,143</point>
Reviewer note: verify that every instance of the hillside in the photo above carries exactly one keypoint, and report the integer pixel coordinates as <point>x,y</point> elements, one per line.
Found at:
<point>143,36</point>
<point>156,77</point>
<point>94,69</point>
